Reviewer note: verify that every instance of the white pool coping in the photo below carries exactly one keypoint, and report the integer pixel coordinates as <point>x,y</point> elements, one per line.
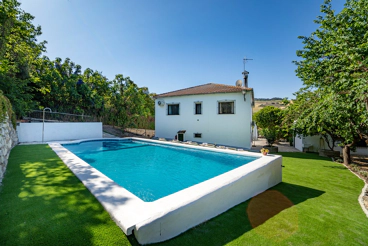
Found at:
<point>169,216</point>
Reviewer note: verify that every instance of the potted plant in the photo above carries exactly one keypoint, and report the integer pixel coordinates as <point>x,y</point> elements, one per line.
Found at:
<point>264,151</point>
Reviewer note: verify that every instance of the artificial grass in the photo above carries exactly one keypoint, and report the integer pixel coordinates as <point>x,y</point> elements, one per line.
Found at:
<point>316,204</point>
<point>43,203</point>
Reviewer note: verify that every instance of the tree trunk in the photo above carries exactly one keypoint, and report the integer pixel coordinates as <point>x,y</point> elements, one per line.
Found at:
<point>346,154</point>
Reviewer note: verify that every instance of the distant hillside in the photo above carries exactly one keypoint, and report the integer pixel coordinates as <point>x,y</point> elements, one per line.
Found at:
<point>268,99</point>
<point>260,103</point>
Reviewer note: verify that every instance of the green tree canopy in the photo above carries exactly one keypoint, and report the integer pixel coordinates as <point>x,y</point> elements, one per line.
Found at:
<point>18,51</point>
<point>268,116</point>
<point>334,69</point>
<point>270,119</point>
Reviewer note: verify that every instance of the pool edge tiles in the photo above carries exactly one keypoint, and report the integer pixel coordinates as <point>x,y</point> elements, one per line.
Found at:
<point>169,216</point>
<point>123,206</point>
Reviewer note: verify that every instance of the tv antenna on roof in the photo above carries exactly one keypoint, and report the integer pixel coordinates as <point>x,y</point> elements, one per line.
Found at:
<point>245,59</point>
<point>245,73</point>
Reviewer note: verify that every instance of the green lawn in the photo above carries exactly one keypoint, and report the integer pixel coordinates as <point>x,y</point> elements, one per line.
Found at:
<point>43,203</point>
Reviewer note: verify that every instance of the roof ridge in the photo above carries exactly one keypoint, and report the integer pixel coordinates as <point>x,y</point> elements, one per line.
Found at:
<point>205,89</point>
<point>185,88</point>
<point>231,85</point>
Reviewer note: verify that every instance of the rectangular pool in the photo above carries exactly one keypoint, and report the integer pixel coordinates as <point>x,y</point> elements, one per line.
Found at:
<point>161,189</point>
<point>153,170</point>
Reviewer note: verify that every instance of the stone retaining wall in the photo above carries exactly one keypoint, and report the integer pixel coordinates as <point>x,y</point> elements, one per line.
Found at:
<point>8,139</point>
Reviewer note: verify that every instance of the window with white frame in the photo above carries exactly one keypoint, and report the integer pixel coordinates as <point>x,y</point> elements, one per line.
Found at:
<point>173,109</point>
<point>226,107</point>
<point>198,108</point>
<point>198,135</point>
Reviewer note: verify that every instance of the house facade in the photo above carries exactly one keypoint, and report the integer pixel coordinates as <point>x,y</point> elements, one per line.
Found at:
<point>210,113</point>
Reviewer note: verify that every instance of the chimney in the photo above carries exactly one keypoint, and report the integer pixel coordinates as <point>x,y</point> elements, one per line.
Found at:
<point>245,76</point>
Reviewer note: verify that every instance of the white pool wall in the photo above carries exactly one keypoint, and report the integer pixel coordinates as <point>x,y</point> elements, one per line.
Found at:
<point>206,200</point>
<point>172,215</point>
<point>58,131</point>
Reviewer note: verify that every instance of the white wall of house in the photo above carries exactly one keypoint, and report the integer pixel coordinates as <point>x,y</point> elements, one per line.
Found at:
<point>225,129</point>
<point>32,132</point>
<point>255,132</point>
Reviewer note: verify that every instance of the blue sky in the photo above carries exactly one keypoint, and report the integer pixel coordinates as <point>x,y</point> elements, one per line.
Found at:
<point>168,45</point>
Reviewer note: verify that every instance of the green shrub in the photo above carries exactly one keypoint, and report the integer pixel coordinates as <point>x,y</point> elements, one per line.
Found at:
<point>6,109</point>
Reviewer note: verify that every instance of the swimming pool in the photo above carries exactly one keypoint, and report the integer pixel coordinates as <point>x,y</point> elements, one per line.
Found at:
<point>152,170</point>
<point>173,214</point>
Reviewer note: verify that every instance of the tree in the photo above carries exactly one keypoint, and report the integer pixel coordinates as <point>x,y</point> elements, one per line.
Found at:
<point>335,64</point>
<point>269,119</point>
<point>127,102</point>
<point>309,116</point>
<point>18,51</point>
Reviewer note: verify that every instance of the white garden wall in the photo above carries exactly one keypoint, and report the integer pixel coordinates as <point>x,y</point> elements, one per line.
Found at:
<point>32,132</point>
<point>315,143</point>
<point>298,142</point>
<point>358,151</point>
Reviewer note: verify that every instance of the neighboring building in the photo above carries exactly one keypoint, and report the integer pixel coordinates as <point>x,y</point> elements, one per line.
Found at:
<point>316,143</point>
<point>310,143</point>
<point>210,113</point>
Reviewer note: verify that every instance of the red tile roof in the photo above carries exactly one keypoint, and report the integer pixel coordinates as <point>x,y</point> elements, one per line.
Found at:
<point>205,89</point>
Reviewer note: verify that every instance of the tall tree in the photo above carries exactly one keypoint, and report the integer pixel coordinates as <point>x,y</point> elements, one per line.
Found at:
<point>127,101</point>
<point>335,62</point>
<point>18,51</point>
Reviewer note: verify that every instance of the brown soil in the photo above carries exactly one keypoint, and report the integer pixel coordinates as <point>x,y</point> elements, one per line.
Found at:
<point>360,163</point>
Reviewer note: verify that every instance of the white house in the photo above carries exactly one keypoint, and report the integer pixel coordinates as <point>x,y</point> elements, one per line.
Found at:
<point>211,113</point>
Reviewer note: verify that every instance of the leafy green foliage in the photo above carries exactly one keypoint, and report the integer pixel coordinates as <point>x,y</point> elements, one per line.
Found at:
<point>269,116</point>
<point>334,69</point>
<point>270,120</point>
<point>6,110</point>
<point>271,134</point>
<point>18,51</point>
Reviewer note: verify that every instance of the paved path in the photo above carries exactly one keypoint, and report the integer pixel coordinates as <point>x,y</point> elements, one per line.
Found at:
<point>283,146</point>
<point>108,135</point>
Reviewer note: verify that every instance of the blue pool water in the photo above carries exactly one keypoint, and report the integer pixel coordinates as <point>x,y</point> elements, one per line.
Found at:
<point>152,171</point>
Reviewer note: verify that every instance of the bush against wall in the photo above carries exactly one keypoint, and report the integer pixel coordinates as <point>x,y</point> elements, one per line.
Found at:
<point>6,110</point>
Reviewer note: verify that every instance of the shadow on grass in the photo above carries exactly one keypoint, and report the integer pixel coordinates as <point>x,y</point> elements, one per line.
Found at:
<point>43,203</point>
<point>301,155</point>
<point>337,167</point>
<point>245,216</point>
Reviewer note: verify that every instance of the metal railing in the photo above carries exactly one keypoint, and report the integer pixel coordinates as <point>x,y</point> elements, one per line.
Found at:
<point>41,116</point>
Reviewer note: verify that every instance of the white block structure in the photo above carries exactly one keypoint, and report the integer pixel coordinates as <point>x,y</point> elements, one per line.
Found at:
<point>32,132</point>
